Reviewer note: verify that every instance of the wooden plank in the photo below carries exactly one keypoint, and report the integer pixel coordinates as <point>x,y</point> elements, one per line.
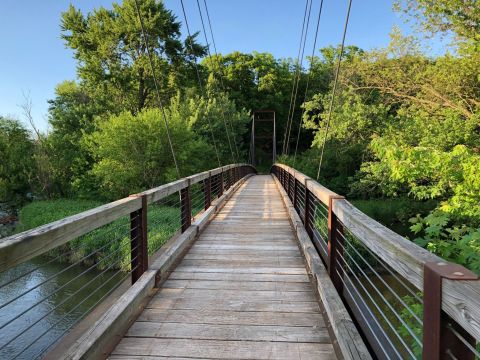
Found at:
<point>347,336</point>
<point>242,257</point>
<point>166,330</point>
<point>263,295</point>
<point>215,349</point>
<point>320,191</point>
<point>295,263</point>
<point>200,245</point>
<point>233,317</point>
<point>203,304</point>
<point>228,252</point>
<point>98,340</point>
<point>244,270</point>
<point>24,246</point>
<point>242,291</point>
<point>234,277</point>
<point>160,192</point>
<point>460,300</point>
<point>237,285</point>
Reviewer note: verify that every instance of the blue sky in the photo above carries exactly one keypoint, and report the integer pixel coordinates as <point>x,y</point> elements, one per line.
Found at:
<point>33,58</point>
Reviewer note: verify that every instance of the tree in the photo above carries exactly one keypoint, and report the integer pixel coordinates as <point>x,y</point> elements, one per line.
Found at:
<point>71,116</point>
<point>112,57</point>
<point>462,17</point>
<point>132,152</point>
<point>17,165</point>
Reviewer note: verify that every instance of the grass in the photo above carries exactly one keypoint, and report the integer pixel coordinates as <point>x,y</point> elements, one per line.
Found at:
<point>43,212</point>
<point>104,247</point>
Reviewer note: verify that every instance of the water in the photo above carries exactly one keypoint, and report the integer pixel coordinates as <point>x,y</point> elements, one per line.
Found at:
<point>26,333</point>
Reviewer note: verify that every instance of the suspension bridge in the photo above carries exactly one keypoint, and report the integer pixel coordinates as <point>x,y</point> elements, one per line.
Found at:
<point>257,267</point>
<point>229,263</point>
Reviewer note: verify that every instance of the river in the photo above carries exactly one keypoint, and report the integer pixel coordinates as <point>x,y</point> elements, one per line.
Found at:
<point>52,312</point>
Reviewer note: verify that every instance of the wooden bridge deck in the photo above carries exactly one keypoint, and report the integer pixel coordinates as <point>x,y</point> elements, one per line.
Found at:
<point>242,291</point>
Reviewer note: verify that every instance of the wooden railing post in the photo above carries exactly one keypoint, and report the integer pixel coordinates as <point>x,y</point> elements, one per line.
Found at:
<point>186,208</point>
<point>138,240</point>
<point>335,245</point>
<point>207,190</point>
<point>438,338</point>
<point>307,220</point>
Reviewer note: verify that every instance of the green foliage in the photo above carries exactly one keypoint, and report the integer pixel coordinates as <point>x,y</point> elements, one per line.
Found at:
<point>412,323</point>
<point>71,116</point>
<point>16,165</point>
<point>395,213</point>
<point>112,58</point>
<point>109,244</point>
<point>459,244</point>
<point>206,118</point>
<point>461,17</point>
<point>132,152</point>
<point>43,212</point>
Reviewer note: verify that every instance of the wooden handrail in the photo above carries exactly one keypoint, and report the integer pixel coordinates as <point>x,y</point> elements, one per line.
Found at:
<point>321,192</point>
<point>24,246</point>
<point>460,298</point>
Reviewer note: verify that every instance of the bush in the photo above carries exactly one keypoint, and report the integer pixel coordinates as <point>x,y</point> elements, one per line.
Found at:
<point>395,213</point>
<point>16,161</point>
<point>132,152</point>
<point>43,212</point>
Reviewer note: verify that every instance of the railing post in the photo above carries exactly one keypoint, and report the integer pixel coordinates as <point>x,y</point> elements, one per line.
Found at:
<point>207,190</point>
<point>439,341</point>
<point>291,178</point>
<point>295,194</point>
<point>334,239</point>
<point>227,179</point>
<point>308,203</point>
<point>138,240</point>
<point>220,184</point>
<point>186,207</point>
<point>287,184</point>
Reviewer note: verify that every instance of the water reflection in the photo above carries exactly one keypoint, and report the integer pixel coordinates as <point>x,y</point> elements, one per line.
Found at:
<point>34,314</point>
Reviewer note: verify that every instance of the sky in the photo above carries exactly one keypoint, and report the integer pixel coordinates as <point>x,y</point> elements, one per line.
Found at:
<point>34,59</point>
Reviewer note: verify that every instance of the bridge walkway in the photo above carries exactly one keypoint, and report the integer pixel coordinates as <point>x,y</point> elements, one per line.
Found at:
<point>242,291</point>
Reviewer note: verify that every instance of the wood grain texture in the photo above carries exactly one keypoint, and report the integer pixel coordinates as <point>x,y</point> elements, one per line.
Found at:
<point>24,246</point>
<point>460,299</point>
<point>242,291</point>
<point>348,338</point>
<point>215,349</point>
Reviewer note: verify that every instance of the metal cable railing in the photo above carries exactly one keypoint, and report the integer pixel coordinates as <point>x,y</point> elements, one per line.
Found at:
<point>54,276</point>
<point>392,288</point>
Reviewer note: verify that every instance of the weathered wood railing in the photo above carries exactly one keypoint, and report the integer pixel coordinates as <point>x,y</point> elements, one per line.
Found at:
<point>114,239</point>
<point>407,302</point>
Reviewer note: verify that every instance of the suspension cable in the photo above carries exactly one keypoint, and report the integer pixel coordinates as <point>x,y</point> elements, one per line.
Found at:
<point>294,78</point>
<point>337,71</point>
<point>210,55</point>
<point>159,99</point>
<point>308,80</point>
<point>221,74</point>
<point>287,146</point>
<point>200,82</point>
